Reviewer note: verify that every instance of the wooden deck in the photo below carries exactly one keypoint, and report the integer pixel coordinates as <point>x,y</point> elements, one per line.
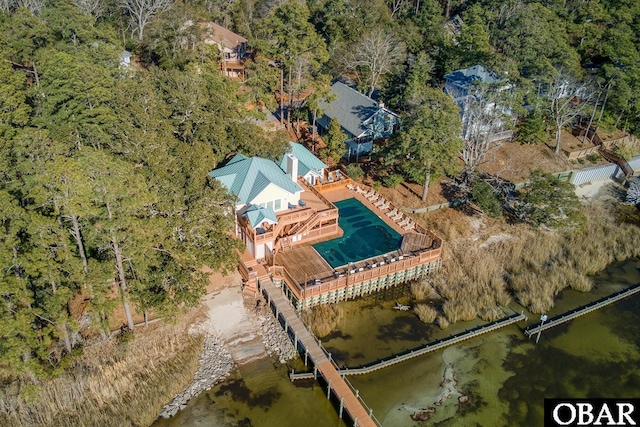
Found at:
<point>305,264</point>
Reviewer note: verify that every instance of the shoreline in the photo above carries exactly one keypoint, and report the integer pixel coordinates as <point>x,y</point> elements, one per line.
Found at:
<point>219,358</point>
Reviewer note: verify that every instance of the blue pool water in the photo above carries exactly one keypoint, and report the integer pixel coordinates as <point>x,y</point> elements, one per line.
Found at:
<point>365,236</point>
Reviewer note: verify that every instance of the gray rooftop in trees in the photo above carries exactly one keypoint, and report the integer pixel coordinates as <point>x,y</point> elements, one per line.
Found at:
<point>350,108</point>
<point>463,79</point>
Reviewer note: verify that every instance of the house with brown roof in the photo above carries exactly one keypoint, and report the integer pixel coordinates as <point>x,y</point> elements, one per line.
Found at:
<point>233,48</point>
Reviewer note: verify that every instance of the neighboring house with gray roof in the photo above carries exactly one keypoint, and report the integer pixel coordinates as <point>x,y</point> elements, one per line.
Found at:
<point>480,115</point>
<point>459,83</point>
<point>361,118</point>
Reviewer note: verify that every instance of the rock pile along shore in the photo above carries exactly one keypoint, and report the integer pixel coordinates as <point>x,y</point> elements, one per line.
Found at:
<point>275,339</point>
<point>214,364</point>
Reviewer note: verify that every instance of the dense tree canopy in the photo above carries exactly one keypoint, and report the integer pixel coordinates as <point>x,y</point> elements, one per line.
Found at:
<point>428,145</point>
<point>103,170</point>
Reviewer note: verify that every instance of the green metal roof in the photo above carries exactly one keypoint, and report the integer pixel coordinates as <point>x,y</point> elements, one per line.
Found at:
<point>246,177</point>
<point>257,215</point>
<point>306,160</point>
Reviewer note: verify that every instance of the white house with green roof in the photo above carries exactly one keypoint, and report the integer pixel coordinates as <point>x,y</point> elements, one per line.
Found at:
<point>263,189</point>
<point>309,166</point>
<point>269,206</point>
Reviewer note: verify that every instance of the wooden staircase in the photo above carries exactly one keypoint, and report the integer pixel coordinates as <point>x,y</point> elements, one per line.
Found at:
<point>286,244</point>
<point>618,160</point>
<point>610,156</point>
<point>305,226</point>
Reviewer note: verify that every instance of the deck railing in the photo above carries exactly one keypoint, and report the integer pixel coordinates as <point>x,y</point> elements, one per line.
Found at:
<point>361,274</point>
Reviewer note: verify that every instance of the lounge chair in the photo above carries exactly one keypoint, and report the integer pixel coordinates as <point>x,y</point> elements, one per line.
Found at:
<point>291,205</point>
<point>381,201</point>
<point>339,175</point>
<point>404,222</point>
<point>392,212</point>
<point>409,226</point>
<point>385,205</point>
<point>330,175</point>
<point>351,187</point>
<point>369,194</point>
<point>397,216</point>
<point>302,203</point>
<point>373,198</point>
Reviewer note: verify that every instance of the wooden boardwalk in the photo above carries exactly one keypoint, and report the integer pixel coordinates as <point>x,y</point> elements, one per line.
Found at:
<point>323,366</point>
<point>588,308</point>
<point>419,351</point>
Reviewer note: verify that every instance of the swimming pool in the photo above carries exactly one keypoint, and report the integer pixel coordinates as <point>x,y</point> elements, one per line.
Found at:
<point>365,236</point>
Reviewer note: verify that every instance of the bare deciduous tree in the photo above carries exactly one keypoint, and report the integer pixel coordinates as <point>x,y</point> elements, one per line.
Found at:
<point>142,11</point>
<point>633,193</point>
<point>377,54</point>
<point>94,8</point>
<point>34,6</point>
<point>395,6</point>
<point>486,118</point>
<point>568,99</point>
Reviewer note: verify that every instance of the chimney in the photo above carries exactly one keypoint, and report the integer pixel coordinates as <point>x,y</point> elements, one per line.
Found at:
<point>292,167</point>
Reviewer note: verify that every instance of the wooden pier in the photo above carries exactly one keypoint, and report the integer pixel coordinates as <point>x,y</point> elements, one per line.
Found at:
<point>349,402</point>
<point>588,308</point>
<point>427,348</point>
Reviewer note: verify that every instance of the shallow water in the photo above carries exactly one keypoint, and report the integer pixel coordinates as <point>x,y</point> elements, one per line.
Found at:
<point>505,375</point>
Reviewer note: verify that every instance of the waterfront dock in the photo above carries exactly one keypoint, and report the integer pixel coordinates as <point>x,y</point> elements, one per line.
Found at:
<point>427,348</point>
<point>587,308</point>
<point>349,402</point>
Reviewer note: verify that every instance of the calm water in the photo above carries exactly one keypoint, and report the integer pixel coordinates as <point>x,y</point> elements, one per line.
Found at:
<point>505,375</point>
<point>365,236</point>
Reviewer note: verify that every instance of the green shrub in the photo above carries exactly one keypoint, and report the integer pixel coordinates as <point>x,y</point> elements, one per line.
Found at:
<point>484,196</point>
<point>354,171</point>
<point>392,181</point>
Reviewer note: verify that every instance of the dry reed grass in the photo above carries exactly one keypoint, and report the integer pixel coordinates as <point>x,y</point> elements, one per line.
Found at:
<point>442,322</point>
<point>491,314</point>
<point>425,313</point>
<point>113,383</point>
<point>449,224</point>
<point>323,319</point>
<point>532,265</point>
<point>422,291</point>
